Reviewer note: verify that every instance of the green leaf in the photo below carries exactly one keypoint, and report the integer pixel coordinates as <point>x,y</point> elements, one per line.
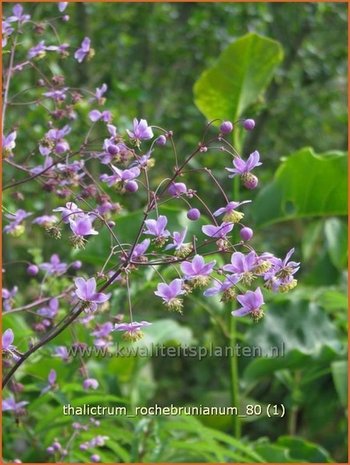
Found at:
<point>305,185</point>
<point>238,78</point>
<point>336,238</point>
<point>340,378</point>
<point>303,450</point>
<point>301,329</point>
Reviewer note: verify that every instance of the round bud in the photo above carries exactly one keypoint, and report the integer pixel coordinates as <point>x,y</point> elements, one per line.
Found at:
<point>61,147</point>
<point>246,234</point>
<point>113,149</point>
<point>249,124</point>
<point>250,181</point>
<point>161,140</point>
<point>226,127</point>
<point>131,186</point>
<point>76,265</point>
<point>193,214</point>
<point>50,450</point>
<point>95,458</point>
<point>65,18</point>
<point>32,270</point>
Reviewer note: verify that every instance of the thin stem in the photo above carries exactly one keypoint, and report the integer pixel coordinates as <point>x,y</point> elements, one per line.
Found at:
<point>7,83</point>
<point>236,421</point>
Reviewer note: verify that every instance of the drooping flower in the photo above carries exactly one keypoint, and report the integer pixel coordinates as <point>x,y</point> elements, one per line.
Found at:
<point>18,15</point>
<point>58,95</point>
<point>70,211</point>
<point>84,50</point>
<point>96,115</point>
<point>102,333</point>
<point>132,331</point>
<point>86,291</point>
<point>55,140</point>
<point>82,226</point>
<point>120,176</point>
<point>38,50</point>
<point>7,30</point>
<point>9,143</point>
<point>10,404</point>
<point>157,228</point>
<point>170,292</point>
<point>225,287</point>
<point>51,382</point>
<point>198,271</point>
<point>51,310</point>
<point>55,266</point>
<point>219,232</point>
<point>244,168</point>
<point>16,228</point>
<point>45,220</point>
<point>251,302</point>
<point>62,353</point>
<point>62,6</point>
<point>8,348</point>
<point>178,240</point>
<point>100,91</point>
<point>8,297</point>
<point>140,249</point>
<point>280,277</point>
<point>230,213</point>
<point>242,266</point>
<point>141,130</point>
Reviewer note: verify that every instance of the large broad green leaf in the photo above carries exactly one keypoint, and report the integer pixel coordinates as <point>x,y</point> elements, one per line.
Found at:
<point>336,237</point>
<point>238,78</point>
<point>300,329</point>
<point>305,185</point>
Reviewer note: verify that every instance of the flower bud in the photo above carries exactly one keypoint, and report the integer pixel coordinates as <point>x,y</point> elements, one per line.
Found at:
<point>226,127</point>
<point>250,181</point>
<point>95,458</point>
<point>131,186</point>
<point>32,270</point>
<point>113,149</point>
<point>249,124</point>
<point>161,140</point>
<point>193,214</point>
<point>76,265</point>
<point>246,234</point>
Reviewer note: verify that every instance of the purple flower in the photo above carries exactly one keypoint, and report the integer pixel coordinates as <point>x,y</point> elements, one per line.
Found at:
<point>83,51</point>
<point>231,215</point>
<point>9,143</point>
<point>10,404</point>
<point>100,91</point>
<point>178,238</point>
<point>281,274</point>
<point>70,211</point>
<point>103,330</point>
<point>169,292</point>
<point>55,266</point>
<point>86,291</point>
<point>18,15</point>
<point>251,302</point>
<point>242,266</point>
<point>7,346</point>
<point>51,310</point>
<point>38,50</point>
<point>54,139</point>
<point>45,220</point>
<point>57,94</point>
<point>141,130</point>
<point>62,6</point>
<point>62,353</point>
<point>38,169</point>
<point>90,383</point>
<point>96,115</point>
<point>120,175</point>
<point>8,297</point>
<point>224,286</point>
<point>219,232</point>
<point>15,227</point>
<point>177,188</point>
<point>132,331</point>
<point>157,227</point>
<point>51,382</point>
<point>140,249</point>
<point>82,226</point>
<point>7,30</point>
<point>242,167</point>
<point>197,267</point>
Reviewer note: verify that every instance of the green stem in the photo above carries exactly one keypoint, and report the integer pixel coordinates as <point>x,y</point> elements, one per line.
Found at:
<point>236,421</point>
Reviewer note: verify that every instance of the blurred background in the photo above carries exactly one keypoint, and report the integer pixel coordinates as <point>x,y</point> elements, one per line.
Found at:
<point>160,62</point>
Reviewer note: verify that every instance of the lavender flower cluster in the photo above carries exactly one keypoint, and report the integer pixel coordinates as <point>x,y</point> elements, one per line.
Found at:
<point>86,205</point>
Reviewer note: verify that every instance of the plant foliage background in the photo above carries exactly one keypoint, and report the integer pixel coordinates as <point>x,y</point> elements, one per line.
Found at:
<point>182,64</point>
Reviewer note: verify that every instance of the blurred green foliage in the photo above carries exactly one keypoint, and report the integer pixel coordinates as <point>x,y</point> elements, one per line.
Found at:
<point>151,56</point>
